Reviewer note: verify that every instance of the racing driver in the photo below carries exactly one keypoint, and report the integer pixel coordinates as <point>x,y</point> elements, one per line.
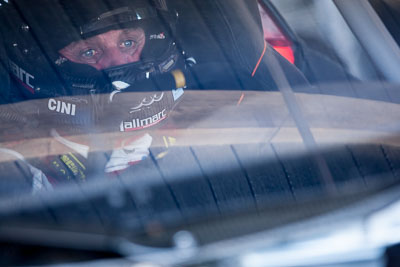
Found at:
<point>68,54</point>
<point>78,58</point>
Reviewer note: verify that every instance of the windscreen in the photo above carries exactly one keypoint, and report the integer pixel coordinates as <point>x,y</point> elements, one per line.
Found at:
<point>132,118</point>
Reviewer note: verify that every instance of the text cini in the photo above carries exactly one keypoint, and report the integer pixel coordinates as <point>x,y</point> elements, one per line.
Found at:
<point>61,107</point>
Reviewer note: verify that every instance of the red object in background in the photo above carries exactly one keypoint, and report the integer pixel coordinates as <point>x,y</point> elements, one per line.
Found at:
<point>274,36</point>
<point>286,52</point>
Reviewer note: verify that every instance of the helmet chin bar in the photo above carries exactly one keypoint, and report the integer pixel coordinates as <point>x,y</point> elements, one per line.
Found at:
<point>134,72</point>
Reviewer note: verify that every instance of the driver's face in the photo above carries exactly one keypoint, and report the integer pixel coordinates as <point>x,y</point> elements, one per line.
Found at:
<point>113,48</point>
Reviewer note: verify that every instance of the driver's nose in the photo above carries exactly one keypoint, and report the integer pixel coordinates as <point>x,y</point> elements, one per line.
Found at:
<point>112,57</point>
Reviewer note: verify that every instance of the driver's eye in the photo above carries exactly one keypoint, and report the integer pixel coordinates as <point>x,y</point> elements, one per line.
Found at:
<point>127,44</point>
<point>89,53</point>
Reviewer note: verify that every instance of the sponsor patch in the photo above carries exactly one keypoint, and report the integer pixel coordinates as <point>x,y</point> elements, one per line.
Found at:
<point>74,165</point>
<point>147,101</point>
<point>136,124</point>
<point>160,36</point>
<point>61,107</point>
<point>24,77</point>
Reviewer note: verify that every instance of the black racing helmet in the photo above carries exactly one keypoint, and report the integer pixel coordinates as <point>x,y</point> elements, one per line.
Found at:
<point>34,32</point>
